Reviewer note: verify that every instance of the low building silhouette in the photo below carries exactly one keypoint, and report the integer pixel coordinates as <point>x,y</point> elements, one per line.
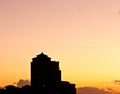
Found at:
<point>46,77</point>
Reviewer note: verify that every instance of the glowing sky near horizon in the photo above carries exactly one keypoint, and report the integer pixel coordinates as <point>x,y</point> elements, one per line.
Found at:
<point>83,35</point>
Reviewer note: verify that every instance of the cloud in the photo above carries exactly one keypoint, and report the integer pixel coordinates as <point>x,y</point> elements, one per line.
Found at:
<point>91,90</point>
<point>119,12</point>
<point>22,83</point>
<point>109,89</point>
<point>117,82</point>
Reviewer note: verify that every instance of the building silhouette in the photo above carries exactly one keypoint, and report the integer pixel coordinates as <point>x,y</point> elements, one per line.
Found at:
<point>46,77</point>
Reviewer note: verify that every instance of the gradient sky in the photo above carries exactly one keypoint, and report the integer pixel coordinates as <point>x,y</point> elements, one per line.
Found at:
<point>83,35</point>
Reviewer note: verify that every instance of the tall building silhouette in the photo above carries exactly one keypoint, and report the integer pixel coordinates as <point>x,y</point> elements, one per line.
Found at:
<point>46,77</point>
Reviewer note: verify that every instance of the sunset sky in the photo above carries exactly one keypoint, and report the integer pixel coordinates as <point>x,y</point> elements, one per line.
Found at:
<point>83,35</point>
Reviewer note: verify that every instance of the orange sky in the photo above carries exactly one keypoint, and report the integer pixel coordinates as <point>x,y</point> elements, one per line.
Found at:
<point>83,35</point>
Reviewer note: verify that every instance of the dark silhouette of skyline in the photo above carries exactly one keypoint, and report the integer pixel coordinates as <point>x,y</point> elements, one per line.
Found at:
<point>46,76</point>
<point>45,79</point>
